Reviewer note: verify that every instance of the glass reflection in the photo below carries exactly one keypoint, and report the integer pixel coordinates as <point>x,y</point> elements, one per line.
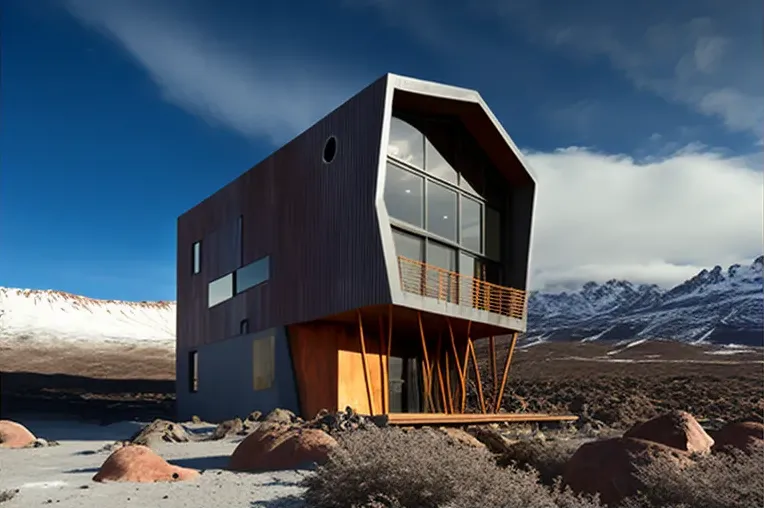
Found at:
<point>408,246</point>
<point>437,165</point>
<point>441,211</point>
<point>441,256</point>
<point>406,143</point>
<point>404,195</point>
<point>472,225</point>
<point>252,274</point>
<point>220,290</point>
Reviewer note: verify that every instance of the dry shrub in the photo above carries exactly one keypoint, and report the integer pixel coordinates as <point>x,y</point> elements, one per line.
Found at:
<point>395,469</point>
<point>7,495</point>
<point>548,458</point>
<point>725,480</point>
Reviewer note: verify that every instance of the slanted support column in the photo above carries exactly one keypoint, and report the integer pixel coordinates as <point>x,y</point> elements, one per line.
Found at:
<point>478,381</point>
<point>494,369</point>
<point>497,403</point>
<point>465,364</point>
<point>427,367</point>
<point>458,365</point>
<point>366,373</point>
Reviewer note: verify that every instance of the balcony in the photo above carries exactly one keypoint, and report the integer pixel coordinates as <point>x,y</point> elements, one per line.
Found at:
<point>446,286</point>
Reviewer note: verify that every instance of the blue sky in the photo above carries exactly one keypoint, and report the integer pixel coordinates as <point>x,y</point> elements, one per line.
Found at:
<point>644,122</point>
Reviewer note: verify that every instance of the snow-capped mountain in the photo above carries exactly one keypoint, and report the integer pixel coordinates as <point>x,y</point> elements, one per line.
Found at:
<point>53,317</point>
<point>716,306</point>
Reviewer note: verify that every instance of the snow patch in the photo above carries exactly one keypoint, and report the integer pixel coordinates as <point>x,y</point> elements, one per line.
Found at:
<point>45,316</point>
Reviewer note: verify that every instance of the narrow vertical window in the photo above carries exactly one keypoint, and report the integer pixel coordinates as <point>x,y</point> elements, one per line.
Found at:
<point>193,371</point>
<point>197,257</point>
<point>244,327</point>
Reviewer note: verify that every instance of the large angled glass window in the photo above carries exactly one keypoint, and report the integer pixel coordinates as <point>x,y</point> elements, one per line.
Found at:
<point>404,195</point>
<point>441,211</point>
<point>406,143</point>
<point>442,284</point>
<point>408,246</point>
<point>441,256</point>
<point>438,166</point>
<point>472,225</point>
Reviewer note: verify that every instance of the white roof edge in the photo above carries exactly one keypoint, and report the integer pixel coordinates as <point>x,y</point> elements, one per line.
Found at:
<point>456,93</point>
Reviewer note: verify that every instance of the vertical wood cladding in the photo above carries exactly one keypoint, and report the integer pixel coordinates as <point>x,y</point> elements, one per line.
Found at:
<point>316,221</point>
<point>329,368</point>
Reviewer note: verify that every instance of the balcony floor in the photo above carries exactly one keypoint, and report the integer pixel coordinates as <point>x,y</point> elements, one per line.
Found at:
<point>473,418</point>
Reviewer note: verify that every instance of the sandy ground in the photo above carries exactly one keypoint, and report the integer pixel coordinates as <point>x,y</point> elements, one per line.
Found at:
<point>62,475</point>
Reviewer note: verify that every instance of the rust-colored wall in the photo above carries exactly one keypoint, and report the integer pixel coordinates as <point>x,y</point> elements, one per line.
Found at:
<point>328,366</point>
<point>316,221</point>
<point>314,359</point>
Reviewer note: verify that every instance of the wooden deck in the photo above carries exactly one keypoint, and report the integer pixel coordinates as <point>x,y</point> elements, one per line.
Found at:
<point>473,418</point>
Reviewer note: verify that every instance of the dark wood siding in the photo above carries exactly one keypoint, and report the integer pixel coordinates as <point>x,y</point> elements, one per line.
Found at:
<point>316,221</point>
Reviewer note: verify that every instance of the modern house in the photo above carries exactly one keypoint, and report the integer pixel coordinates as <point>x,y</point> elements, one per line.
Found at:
<point>358,264</point>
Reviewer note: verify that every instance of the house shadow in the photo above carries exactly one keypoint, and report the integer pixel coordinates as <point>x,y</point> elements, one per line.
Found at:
<point>291,501</point>
<point>81,470</point>
<point>202,463</point>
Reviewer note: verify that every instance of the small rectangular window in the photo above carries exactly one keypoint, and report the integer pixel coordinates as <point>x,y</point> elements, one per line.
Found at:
<point>193,371</point>
<point>263,360</point>
<point>244,327</point>
<point>220,290</point>
<point>197,257</point>
<point>253,274</point>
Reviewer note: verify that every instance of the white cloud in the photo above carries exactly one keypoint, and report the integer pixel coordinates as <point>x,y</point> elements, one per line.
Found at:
<point>259,92</point>
<point>713,65</point>
<point>692,52</point>
<point>604,216</point>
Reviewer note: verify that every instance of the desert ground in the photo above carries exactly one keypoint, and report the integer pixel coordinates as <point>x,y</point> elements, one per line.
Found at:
<point>87,398</point>
<point>62,475</point>
<point>615,385</point>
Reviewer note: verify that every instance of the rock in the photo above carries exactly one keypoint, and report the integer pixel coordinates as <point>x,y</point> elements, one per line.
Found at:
<point>745,436</point>
<point>137,463</point>
<point>160,431</point>
<point>227,428</point>
<point>15,435</point>
<point>196,419</point>
<point>41,443</point>
<point>609,467</point>
<point>344,421</point>
<point>254,416</point>
<point>677,429</point>
<point>492,439</point>
<point>283,416</point>
<point>274,447</point>
<point>461,437</point>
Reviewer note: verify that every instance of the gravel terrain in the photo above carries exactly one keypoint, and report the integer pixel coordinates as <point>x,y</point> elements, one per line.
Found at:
<point>62,475</point>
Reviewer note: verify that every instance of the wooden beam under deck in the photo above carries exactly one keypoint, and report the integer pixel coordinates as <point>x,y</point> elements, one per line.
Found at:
<point>473,418</point>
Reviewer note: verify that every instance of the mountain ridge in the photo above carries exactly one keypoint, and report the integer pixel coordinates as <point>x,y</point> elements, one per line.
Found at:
<point>715,306</point>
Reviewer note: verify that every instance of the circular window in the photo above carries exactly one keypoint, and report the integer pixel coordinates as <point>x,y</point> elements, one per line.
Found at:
<point>330,149</point>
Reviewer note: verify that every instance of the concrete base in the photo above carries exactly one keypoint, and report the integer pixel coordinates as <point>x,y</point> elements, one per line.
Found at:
<point>226,380</point>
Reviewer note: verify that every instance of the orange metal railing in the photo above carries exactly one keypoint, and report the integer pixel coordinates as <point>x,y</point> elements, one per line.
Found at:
<point>435,282</point>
